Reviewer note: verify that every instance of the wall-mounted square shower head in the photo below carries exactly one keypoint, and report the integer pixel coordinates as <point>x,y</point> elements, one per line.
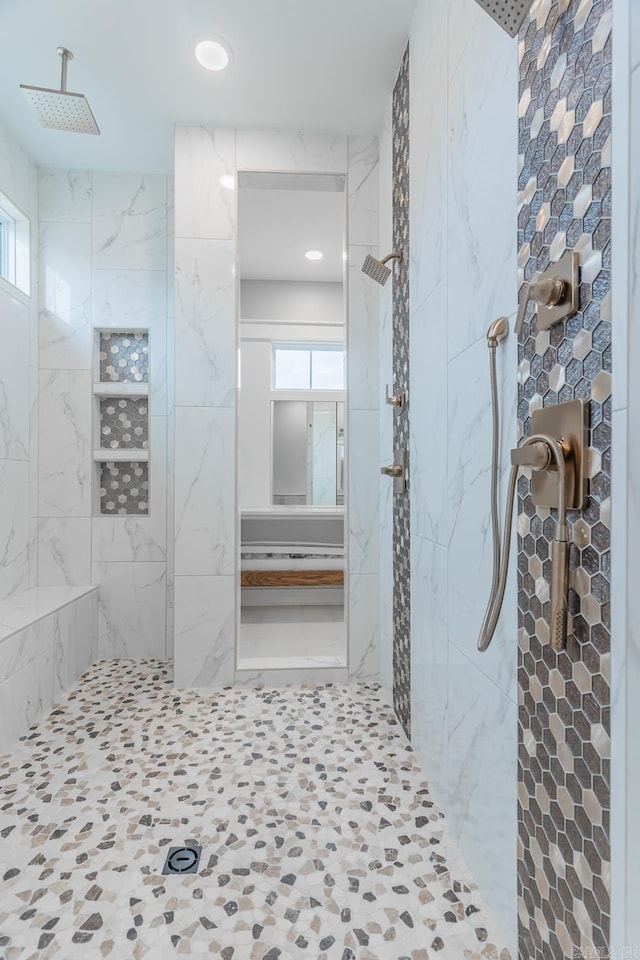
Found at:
<point>59,109</point>
<point>510,14</point>
<point>377,269</point>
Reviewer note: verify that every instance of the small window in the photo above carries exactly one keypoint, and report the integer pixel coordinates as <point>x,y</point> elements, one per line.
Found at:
<point>298,367</point>
<point>14,245</point>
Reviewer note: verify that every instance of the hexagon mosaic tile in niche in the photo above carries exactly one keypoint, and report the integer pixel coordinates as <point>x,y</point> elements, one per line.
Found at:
<point>124,423</point>
<point>124,357</point>
<point>565,203</point>
<point>124,489</point>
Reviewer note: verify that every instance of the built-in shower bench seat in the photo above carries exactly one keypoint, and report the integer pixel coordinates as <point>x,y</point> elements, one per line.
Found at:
<point>47,640</point>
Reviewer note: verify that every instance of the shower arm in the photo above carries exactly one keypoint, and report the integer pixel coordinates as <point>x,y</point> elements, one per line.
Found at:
<point>66,56</point>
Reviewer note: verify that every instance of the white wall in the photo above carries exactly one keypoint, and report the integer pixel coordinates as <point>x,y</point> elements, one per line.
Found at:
<point>18,379</point>
<point>292,302</point>
<point>463,175</point>
<point>103,256</point>
<point>205,401</point>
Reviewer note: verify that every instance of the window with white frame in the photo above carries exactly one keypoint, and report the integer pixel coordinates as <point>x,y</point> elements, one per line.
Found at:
<point>14,245</point>
<point>299,366</point>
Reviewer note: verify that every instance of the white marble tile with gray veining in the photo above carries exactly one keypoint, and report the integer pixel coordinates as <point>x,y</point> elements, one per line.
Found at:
<point>129,221</point>
<point>363,473</point>
<point>65,468</point>
<point>131,609</point>
<point>429,660</point>
<point>482,753</point>
<point>75,641</point>
<point>65,296</point>
<point>205,610</point>
<point>363,190</point>
<point>205,179</point>
<point>64,551</point>
<point>14,527</point>
<point>14,381</point>
<point>205,491</point>
<point>364,629</point>
<point>25,698</point>
<point>205,324</point>
<point>64,196</point>
<point>362,333</point>
<point>281,150</point>
<point>428,152</point>
<point>428,424</point>
<point>482,278</point>
<point>22,647</point>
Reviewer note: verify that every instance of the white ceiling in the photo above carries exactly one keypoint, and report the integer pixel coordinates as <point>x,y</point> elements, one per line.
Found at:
<point>275,227</point>
<point>314,65</point>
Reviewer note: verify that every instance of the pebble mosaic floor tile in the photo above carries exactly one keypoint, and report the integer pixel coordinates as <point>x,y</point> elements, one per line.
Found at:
<point>319,837</point>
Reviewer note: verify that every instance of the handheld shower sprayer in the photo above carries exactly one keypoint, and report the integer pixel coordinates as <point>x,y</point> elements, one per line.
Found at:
<point>555,452</point>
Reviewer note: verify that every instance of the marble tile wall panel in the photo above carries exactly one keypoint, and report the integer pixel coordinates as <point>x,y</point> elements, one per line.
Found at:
<point>205,611</point>
<point>129,221</point>
<point>363,627</point>
<point>362,342</point>
<point>429,660</point>
<point>482,782</point>
<point>278,150</point>
<point>363,190</point>
<point>21,648</point>
<point>131,609</point>
<point>385,431</point>
<point>205,491</point>
<point>205,339</point>
<point>14,378</point>
<point>363,472</point>
<point>75,641</point>
<point>14,527</point>
<point>206,156</point>
<point>65,467</point>
<point>64,196</point>
<point>462,73</point>
<point>26,697</point>
<point>65,296</point>
<point>64,551</point>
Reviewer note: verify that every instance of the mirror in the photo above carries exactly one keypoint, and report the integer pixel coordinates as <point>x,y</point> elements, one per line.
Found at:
<point>291,421</point>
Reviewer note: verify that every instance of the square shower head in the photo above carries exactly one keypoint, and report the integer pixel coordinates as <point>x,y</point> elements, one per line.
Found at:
<point>509,14</point>
<point>61,110</point>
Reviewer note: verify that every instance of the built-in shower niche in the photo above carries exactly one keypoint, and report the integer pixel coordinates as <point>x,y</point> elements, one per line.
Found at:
<point>121,422</point>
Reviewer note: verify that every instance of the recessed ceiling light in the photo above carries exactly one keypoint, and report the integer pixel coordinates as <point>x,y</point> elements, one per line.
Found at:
<point>227,181</point>
<point>314,254</point>
<point>212,54</point>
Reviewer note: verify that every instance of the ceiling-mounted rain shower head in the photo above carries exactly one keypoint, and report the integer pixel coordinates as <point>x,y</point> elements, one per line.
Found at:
<point>59,109</point>
<point>509,14</point>
<point>376,268</point>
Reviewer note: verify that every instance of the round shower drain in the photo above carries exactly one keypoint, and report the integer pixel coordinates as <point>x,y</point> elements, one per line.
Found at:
<point>182,860</point>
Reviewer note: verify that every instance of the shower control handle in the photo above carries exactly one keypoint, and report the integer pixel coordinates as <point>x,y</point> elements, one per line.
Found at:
<point>398,471</point>
<point>555,291</point>
<point>535,455</point>
<point>398,400</point>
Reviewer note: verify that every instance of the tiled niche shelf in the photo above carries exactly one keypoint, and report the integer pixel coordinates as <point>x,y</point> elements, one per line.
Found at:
<point>121,416</point>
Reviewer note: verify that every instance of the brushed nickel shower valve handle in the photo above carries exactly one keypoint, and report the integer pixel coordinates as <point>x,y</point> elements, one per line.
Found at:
<point>556,292</point>
<point>536,455</point>
<point>398,400</point>
<point>396,470</point>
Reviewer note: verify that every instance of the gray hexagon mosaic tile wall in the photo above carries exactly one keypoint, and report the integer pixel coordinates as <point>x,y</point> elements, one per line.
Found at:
<point>565,203</point>
<point>401,501</point>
